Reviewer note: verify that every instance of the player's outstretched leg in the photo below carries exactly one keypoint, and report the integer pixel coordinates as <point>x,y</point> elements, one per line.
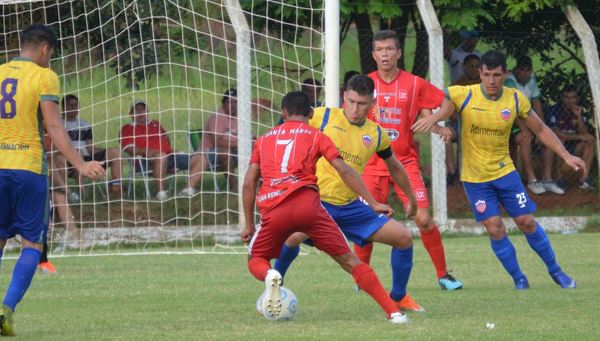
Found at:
<point>399,237</point>
<point>539,242</point>
<point>432,241</point>
<point>261,269</point>
<point>367,280</point>
<point>287,256</point>
<point>364,252</point>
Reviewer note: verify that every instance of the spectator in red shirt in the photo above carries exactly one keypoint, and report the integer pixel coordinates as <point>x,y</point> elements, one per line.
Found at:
<point>146,138</point>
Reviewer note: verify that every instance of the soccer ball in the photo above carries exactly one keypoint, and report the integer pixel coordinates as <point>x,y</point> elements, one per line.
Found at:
<point>289,305</point>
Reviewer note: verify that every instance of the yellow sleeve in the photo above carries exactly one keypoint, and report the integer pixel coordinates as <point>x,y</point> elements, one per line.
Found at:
<point>457,95</point>
<point>317,118</point>
<point>385,142</point>
<point>524,105</point>
<point>49,86</point>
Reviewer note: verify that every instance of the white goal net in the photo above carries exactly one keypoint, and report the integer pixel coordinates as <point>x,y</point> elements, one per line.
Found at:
<point>175,59</point>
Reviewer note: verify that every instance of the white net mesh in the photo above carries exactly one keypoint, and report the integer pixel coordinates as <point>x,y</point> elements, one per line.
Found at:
<point>179,57</point>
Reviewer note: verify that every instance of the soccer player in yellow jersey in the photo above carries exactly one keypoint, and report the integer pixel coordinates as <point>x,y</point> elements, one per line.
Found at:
<point>486,113</point>
<point>28,103</point>
<point>357,139</point>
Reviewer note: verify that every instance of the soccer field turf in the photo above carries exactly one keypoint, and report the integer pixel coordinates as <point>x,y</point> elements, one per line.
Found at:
<point>213,297</point>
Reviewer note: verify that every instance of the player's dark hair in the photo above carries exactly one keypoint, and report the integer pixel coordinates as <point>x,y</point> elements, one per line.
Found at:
<point>228,94</point>
<point>569,88</point>
<point>312,82</point>
<point>37,34</point>
<point>296,103</point>
<point>67,98</point>
<point>524,61</point>
<point>385,35</point>
<point>493,59</point>
<point>471,56</point>
<point>363,85</point>
<point>349,75</point>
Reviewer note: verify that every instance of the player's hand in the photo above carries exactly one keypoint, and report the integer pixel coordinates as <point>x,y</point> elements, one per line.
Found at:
<point>411,208</point>
<point>425,124</point>
<point>92,170</point>
<point>444,132</point>
<point>247,233</point>
<point>574,162</point>
<point>383,208</point>
<point>577,110</point>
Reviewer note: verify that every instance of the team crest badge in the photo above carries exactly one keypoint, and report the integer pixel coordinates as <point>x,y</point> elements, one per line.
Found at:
<point>480,205</point>
<point>505,114</point>
<point>367,141</point>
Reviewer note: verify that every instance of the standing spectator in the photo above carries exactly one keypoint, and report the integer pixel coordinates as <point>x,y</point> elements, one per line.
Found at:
<point>470,76</point>
<point>312,88</point>
<point>80,132</point>
<point>147,139</point>
<point>219,144</point>
<point>523,79</point>
<point>569,122</point>
<point>400,97</point>
<point>455,57</point>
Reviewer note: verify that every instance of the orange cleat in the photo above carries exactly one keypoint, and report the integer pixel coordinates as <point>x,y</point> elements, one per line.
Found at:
<point>408,304</point>
<point>47,268</point>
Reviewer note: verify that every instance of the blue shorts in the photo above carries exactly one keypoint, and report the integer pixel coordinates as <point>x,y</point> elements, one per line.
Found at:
<point>485,197</point>
<point>175,162</point>
<point>24,205</point>
<point>357,220</point>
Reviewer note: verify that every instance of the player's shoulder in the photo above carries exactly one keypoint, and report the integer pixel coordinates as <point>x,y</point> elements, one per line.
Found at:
<point>325,115</point>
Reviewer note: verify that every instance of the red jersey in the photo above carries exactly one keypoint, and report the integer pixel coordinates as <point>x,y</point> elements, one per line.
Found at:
<point>400,103</point>
<point>145,136</point>
<point>287,156</point>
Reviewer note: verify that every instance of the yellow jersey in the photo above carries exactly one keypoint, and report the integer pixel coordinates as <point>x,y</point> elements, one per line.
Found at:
<point>485,126</point>
<point>23,84</point>
<point>356,145</point>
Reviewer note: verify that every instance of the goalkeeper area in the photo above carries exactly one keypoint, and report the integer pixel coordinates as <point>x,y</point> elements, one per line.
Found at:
<point>208,297</point>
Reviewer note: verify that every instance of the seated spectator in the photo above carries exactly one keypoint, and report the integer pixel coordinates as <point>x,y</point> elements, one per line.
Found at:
<point>470,71</point>
<point>470,76</point>
<point>312,88</point>
<point>219,144</point>
<point>523,79</point>
<point>569,122</point>
<point>146,138</point>
<point>80,132</point>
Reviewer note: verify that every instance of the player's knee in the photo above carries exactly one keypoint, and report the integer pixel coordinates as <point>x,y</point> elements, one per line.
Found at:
<point>423,221</point>
<point>295,239</point>
<point>347,261</point>
<point>525,223</point>
<point>404,239</point>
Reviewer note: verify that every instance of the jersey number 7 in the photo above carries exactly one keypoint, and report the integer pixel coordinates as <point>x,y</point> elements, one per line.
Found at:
<point>286,154</point>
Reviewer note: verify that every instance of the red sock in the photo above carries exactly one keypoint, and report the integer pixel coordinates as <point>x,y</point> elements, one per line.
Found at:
<point>364,252</point>
<point>258,267</point>
<point>367,280</point>
<point>432,241</point>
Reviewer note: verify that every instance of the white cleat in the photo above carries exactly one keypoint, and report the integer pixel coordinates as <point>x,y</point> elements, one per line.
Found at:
<point>187,192</point>
<point>271,306</point>
<point>398,318</point>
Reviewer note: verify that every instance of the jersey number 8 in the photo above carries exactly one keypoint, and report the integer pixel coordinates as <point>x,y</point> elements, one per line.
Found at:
<point>8,98</point>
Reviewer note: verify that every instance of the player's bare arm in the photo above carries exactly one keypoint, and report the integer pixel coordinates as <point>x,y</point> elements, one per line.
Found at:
<point>400,177</point>
<point>248,200</point>
<point>550,140</point>
<point>354,181</point>
<point>426,123</point>
<point>444,132</point>
<point>50,113</point>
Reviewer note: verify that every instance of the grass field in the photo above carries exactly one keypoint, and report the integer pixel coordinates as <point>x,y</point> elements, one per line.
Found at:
<point>213,296</point>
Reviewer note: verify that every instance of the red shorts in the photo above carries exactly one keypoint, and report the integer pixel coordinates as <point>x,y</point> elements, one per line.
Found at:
<point>300,211</point>
<point>379,186</point>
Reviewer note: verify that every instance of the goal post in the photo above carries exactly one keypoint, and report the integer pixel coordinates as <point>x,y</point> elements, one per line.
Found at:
<point>179,57</point>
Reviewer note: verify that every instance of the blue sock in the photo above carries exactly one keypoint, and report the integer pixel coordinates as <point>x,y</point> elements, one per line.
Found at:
<point>507,255</point>
<point>539,242</point>
<point>402,263</point>
<point>287,256</point>
<point>22,275</point>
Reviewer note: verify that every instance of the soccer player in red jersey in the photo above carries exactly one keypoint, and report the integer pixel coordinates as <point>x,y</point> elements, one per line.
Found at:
<point>400,97</point>
<point>285,158</point>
